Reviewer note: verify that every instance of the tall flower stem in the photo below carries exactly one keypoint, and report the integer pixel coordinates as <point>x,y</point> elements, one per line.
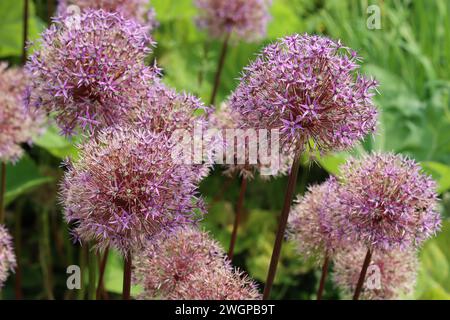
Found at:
<point>237,218</point>
<point>82,262</point>
<point>2,193</point>
<point>25,30</point>
<point>92,267</point>
<point>45,252</point>
<point>326,262</point>
<point>18,249</point>
<point>282,227</point>
<point>102,267</point>
<point>127,277</point>
<point>223,54</point>
<point>362,275</point>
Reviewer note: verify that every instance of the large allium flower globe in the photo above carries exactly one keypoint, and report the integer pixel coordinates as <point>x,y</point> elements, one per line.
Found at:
<point>313,225</point>
<point>129,9</point>
<point>387,202</point>
<point>188,264</point>
<point>125,188</point>
<point>17,124</point>
<point>308,88</point>
<point>391,274</point>
<point>89,70</point>
<point>7,256</point>
<point>247,19</point>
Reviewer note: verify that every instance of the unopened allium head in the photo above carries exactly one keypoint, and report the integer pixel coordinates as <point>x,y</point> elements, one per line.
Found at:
<point>387,202</point>
<point>246,19</point>
<point>89,69</point>
<point>313,226</point>
<point>126,188</point>
<point>307,87</point>
<point>7,256</point>
<point>189,264</point>
<point>17,124</point>
<point>129,9</point>
<point>391,273</point>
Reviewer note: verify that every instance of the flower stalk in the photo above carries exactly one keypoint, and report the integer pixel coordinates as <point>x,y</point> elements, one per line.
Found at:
<point>238,217</point>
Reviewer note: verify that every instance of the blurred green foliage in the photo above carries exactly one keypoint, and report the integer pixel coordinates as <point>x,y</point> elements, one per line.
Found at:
<point>409,55</point>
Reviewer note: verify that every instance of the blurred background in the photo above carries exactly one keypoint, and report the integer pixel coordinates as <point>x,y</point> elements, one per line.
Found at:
<point>410,57</point>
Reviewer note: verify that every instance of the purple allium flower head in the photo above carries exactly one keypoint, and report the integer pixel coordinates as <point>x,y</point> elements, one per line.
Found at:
<point>246,19</point>
<point>89,70</point>
<point>17,124</point>
<point>189,264</point>
<point>391,273</point>
<point>126,188</point>
<point>387,202</point>
<point>7,256</point>
<point>307,87</point>
<point>129,9</point>
<point>313,225</point>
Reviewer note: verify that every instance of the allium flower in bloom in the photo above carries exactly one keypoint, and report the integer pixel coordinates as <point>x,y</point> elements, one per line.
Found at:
<point>7,257</point>
<point>90,69</point>
<point>125,188</point>
<point>188,264</point>
<point>387,202</point>
<point>17,124</point>
<point>391,274</point>
<point>308,88</point>
<point>313,225</point>
<point>129,9</point>
<point>247,19</point>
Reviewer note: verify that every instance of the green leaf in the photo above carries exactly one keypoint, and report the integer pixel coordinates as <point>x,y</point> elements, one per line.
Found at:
<point>440,172</point>
<point>21,178</point>
<point>56,144</point>
<point>114,275</point>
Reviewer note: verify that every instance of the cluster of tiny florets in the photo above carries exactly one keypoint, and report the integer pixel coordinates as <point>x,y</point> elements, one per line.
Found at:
<point>129,9</point>
<point>7,256</point>
<point>125,188</point>
<point>247,19</point>
<point>17,124</point>
<point>391,273</point>
<point>313,226</point>
<point>188,265</point>
<point>387,202</point>
<point>308,88</point>
<point>89,70</point>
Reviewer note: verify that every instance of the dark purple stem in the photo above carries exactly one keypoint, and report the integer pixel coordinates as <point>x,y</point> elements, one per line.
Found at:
<point>237,218</point>
<point>223,53</point>
<point>362,275</point>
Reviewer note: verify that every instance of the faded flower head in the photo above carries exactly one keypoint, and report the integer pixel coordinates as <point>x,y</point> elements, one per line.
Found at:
<point>17,124</point>
<point>247,19</point>
<point>313,225</point>
<point>7,256</point>
<point>129,9</point>
<point>391,273</point>
<point>89,70</point>
<point>308,88</point>
<point>125,188</point>
<point>188,265</point>
<point>387,202</point>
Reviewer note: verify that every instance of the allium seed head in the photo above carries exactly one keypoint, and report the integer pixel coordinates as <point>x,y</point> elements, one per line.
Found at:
<point>391,273</point>
<point>188,264</point>
<point>313,224</point>
<point>125,188</point>
<point>308,88</point>
<point>129,9</point>
<point>17,124</point>
<point>7,256</point>
<point>89,70</point>
<point>387,202</point>
<point>246,19</point>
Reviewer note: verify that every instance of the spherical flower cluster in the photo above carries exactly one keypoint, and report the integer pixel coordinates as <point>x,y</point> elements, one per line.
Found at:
<point>313,225</point>
<point>129,9</point>
<point>7,257</point>
<point>125,188</point>
<point>247,19</point>
<point>391,273</point>
<point>387,202</point>
<point>89,70</point>
<point>308,88</point>
<point>17,124</point>
<point>188,264</point>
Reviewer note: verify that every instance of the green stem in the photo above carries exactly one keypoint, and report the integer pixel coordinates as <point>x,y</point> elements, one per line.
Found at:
<point>25,30</point>
<point>82,263</point>
<point>92,265</point>
<point>18,250</point>
<point>45,253</point>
